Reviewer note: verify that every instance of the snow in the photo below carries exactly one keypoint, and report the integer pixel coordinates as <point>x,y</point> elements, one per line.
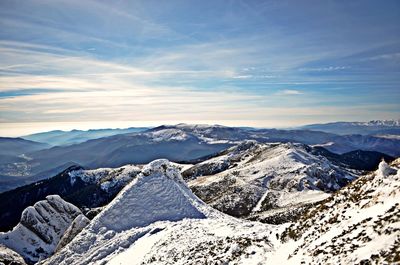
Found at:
<point>8,256</point>
<point>80,222</point>
<point>147,197</point>
<point>41,228</point>
<point>156,219</point>
<point>108,178</point>
<point>360,222</point>
<point>168,135</point>
<point>156,215</point>
<point>255,172</point>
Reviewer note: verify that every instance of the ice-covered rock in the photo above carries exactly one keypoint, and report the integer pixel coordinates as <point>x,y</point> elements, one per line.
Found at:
<point>80,222</point>
<point>41,228</point>
<point>385,170</point>
<point>8,256</point>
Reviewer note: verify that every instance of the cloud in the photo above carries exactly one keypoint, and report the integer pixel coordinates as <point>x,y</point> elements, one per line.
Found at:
<point>389,56</point>
<point>289,92</point>
<point>91,61</point>
<point>324,69</point>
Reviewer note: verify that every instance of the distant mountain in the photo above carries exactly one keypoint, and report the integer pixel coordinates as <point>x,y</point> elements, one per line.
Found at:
<point>12,147</point>
<point>59,137</point>
<point>180,142</point>
<point>334,143</point>
<point>112,151</point>
<point>83,188</point>
<point>376,127</point>
<point>14,162</point>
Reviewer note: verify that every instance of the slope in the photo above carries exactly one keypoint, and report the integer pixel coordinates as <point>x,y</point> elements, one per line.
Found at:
<point>158,209</point>
<point>252,178</point>
<point>360,224</point>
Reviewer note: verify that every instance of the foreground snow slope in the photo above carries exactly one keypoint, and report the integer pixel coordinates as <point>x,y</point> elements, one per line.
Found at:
<point>41,228</point>
<point>251,178</point>
<point>360,224</point>
<point>157,219</point>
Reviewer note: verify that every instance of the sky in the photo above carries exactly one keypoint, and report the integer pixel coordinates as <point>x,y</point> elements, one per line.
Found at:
<point>68,64</point>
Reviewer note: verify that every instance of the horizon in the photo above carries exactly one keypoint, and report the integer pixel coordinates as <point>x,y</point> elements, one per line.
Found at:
<point>268,64</point>
<point>27,129</point>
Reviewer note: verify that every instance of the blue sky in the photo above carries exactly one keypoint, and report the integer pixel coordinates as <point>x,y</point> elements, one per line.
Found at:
<point>74,64</point>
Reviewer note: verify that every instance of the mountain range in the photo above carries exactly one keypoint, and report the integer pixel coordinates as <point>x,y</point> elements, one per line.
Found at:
<point>156,219</point>
<point>375,127</point>
<point>228,195</point>
<point>179,143</point>
<point>58,137</point>
<point>246,170</point>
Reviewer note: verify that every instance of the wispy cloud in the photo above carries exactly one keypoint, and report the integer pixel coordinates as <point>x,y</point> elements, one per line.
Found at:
<point>324,69</point>
<point>169,61</point>
<point>289,92</point>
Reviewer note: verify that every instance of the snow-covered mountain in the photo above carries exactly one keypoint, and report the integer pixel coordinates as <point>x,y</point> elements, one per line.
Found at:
<point>41,228</point>
<point>375,127</point>
<point>360,224</point>
<point>333,142</point>
<point>177,143</point>
<point>156,219</point>
<point>251,178</point>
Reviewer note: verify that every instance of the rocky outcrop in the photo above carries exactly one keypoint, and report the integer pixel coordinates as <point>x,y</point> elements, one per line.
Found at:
<point>40,229</point>
<point>10,257</point>
<point>76,226</point>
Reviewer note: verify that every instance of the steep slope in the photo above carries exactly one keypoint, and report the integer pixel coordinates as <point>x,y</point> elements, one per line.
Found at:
<point>41,228</point>
<point>59,137</point>
<point>249,179</point>
<point>360,224</point>
<point>83,188</point>
<point>153,220</point>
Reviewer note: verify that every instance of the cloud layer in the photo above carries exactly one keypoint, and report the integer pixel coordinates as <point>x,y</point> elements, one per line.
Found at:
<point>269,63</point>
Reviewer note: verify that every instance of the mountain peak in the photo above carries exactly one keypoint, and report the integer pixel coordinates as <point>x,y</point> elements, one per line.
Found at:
<point>157,194</point>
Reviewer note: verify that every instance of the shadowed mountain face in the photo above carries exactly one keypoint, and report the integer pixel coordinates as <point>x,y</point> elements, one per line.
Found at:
<point>17,146</point>
<point>113,151</point>
<point>77,136</point>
